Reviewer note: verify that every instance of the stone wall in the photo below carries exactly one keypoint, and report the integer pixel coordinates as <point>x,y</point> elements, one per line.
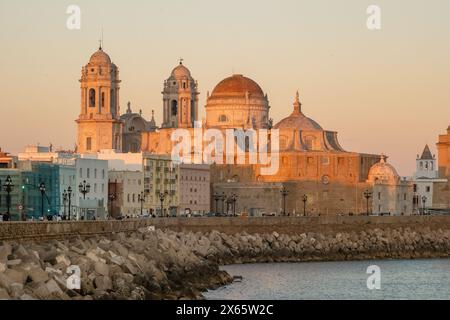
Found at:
<point>282,225</point>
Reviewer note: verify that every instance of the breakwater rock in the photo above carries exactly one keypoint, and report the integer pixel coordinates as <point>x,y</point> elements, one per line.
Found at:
<point>149,264</point>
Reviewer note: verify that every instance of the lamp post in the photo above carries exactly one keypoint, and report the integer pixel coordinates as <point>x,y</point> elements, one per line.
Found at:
<point>112,197</point>
<point>65,197</point>
<point>142,200</point>
<point>162,197</point>
<point>69,197</point>
<point>305,200</point>
<point>42,190</point>
<point>84,189</point>
<point>217,198</point>
<point>8,187</point>
<point>424,201</point>
<point>284,194</point>
<point>367,195</point>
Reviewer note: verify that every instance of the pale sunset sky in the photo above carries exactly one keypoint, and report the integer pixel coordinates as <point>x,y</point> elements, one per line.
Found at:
<point>385,91</point>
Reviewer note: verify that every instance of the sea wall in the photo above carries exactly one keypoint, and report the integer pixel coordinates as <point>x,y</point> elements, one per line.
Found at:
<point>156,264</point>
<point>281,225</point>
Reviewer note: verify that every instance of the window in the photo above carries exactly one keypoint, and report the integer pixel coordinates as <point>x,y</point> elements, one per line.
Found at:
<point>81,172</point>
<point>223,118</point>
<point>92,98</point>
<point>103,174</point>
<point>89,144</point>
<point>103,100</point>
<point>325,161</point>
<point>88,173</point>
<point>379,195</point>
<point>415,188</point>
<point>404,196</point>
<point>103,187</point>
<point>95,188</point>
<point>128,198</point>
<point>428,189</point>
<point>95,173</point>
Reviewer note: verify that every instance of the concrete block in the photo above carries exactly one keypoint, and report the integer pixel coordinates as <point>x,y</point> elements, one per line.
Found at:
<point>4,294</point>
<point>102,268</point>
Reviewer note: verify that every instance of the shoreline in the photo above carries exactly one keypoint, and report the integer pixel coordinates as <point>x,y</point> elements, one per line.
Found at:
<point>159,265</point>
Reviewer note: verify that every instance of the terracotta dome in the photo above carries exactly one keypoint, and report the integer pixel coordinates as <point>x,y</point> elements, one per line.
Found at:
<point>297,120</point>
<point>100,57</point>
<point>237,85</point>
<point>181,72</point>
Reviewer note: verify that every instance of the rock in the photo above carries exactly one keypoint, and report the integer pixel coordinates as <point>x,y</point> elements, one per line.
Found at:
<point>27,297</point>
<point>2,267</point>
<point>91,254</point>
<point>103,283</point>
<point>128,267</point>
<point>38,275</point>
<point>63,259</point>
<point>5,251</point>
<point>62,246</point>
<point>53,287</point>
<point>4,294</point>
<point>16,290</point>
<point>16,276</point>
<point>77,250</point>
<point>102,268</point>
<point>15,262</point>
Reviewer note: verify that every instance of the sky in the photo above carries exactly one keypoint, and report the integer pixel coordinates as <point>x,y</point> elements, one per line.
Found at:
<point>384,91</point>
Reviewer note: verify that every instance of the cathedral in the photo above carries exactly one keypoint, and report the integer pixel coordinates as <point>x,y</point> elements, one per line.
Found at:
<point>313,164</point>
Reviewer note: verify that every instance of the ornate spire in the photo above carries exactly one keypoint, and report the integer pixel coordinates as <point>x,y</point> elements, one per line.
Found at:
<point>129,107</point>
<point>297,104</point>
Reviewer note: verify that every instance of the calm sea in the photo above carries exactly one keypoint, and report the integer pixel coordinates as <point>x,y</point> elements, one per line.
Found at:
<point>400,279</point>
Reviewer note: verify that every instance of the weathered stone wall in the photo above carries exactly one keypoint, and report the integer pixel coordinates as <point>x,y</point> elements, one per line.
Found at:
<point>282,225</point>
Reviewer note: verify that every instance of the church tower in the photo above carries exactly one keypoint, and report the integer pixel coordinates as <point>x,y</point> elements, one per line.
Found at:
<point>180,98</point>
<point>426,165</point>
<point>99,124</point>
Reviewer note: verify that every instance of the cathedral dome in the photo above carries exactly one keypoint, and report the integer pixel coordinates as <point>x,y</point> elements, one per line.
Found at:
<point>297,120</point>
<point>100,57</point>
<point>383,172</point>
<point>181,72</point>
<point>237,85</point>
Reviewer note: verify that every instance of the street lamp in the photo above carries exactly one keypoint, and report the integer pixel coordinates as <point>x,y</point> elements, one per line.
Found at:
<point>223,198</point>
<point>305,200</point>
<point>112,197</point>
<point>142,200</point>
<point>367,195</point>
<point>217,198</point>
<point>284,194</point>
<point>162,197</point>
<point>234,198</point>
<point>84,189</point>
<point>424,201</point>
<point>65,198</point>
<point>8,187</point>
<point>69,197</point>
<point>42,190</point>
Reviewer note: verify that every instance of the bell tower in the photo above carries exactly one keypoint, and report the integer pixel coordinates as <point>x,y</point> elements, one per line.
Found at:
<point>180,99</point>
<point>99,124</point>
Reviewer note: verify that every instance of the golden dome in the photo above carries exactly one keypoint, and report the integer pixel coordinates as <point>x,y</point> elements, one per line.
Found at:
<point>237,85</point>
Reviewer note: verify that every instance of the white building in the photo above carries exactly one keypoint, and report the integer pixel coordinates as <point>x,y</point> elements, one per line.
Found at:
<point>391,194</point>
<point>118,161</point>
<point>424,178</point>
<point>94,173</point>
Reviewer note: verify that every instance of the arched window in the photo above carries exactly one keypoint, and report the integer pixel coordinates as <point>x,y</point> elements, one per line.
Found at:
<point>174,107</point>
<point>431,166</point>
<point>112,102</point>
<point>426,165</point>
<point>92,98</point>
<point>421,165</point>
<point>223,118</point>
<point>103,99</point>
